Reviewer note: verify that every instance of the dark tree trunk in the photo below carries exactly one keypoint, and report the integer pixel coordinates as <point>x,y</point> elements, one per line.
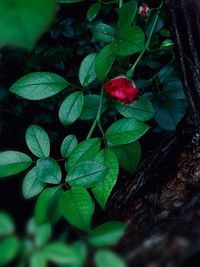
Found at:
<point>162,203</point>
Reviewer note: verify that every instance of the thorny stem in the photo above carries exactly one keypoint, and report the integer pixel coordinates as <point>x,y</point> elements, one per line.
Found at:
<point>131,71</point>
<point>97,119</point>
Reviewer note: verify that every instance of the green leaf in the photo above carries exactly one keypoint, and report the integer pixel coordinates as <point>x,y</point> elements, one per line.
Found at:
<point>87,72</point>
<point>103,189</point>
<point>13,162</point>
<point>174,89</point>
<point>68,1</point>
<point>141,110</point>
<point>130,40</point>
<point>104,61</point>
<point>46,207</point>
<point>81,251</point>
<point>103,32</point>
<point>91,106</point>
<point>71,108</point>
<point>128,155</point>
<point>8,250</point>
<point>68,145</point>
<point>38,259</point>
<point>126,131</point>
<point>39,85</point>
<point>24,21</point>
<point>6,224</point>
<point>86,174</point>
<point>127,13</point>
<point>93,11</point>
<point>85,150</point>
<point>60,253</point>
<point>108,258</point>
<point>48,171</point>
<point>32,186</point>
<point>38,141</point>
<point>42,235</point>
<point>77,207</point>
<point>107,234</point>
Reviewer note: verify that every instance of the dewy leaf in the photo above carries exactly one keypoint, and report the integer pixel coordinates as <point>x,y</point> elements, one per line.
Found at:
<point>86,174</point>
<point>125,131</point>
<point>13,162</point>
<point>48,171</point>
<point>68,145</point>
<point>127,13</point>
<point>87,72</point>
<point>77,207</point>
<point>25,21</point>
<point>32,186</point>
<point>39,85</point>
<point>46,207</point>
<point>71,108</point>
<point>38,141</point>
<point>107,234</point>
<point>91,106</point>
<point>103,32</point>
<point>108,258</point>
<point>130,40</point>
<point>8,249</point>
<point>86,150</point>
<point>141,110</point>
<point>128,155</point>
<point>104,61</point>
<point>103,189</point>
<point>61,253</point>
<point>6,224</point>
<point>93,11</point>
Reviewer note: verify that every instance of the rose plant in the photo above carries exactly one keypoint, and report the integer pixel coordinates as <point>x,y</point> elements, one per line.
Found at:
<point>125,83</point>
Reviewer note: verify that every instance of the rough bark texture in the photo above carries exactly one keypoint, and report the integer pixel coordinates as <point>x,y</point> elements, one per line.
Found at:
<point>161,203</point>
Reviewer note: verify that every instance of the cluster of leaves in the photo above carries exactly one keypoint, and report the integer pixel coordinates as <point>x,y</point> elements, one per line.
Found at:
<point>88,167</point>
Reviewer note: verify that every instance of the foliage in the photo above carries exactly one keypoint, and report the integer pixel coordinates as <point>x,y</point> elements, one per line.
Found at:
<point>63,77</point>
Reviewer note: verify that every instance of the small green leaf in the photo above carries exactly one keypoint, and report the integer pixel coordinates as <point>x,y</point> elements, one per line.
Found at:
<point>32,186</point>
<point>130,40</point>
<point>128,155</point>
<point>6,224</point>
<point>13,162</point>
<point>38,259</point>
<point>86,174</point>
<point>103,32</point>
<point>103,189</point>
<point>46,207</point>
<point>68,1</point>
<point>104,61</point>
<point>81,251</point>
<point>125,131</point>
<point>42,235</point>
<point>39,85</point>
<point>60,253</point>
<point>107,234</point>
<point>87,72</point>
<point>8,249</point>
<point>174,89</point>
<point>109,259</point>
<point>93,11</point>
<point>127,13</point>
<point>71,108</point>
<point>68,145</point>
<point>85,150</point>
<point>48,171</point>
<point>91,106</point>
<point>24,21</point>
<point>38,141</point>
<point>141,110</point>
<point>77,207</point>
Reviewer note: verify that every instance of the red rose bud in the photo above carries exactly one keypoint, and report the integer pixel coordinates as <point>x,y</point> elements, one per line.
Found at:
<point>144,10</point>
<point>122,89</point>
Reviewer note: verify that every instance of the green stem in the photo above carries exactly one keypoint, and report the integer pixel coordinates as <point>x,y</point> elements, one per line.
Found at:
<point>97,119</point>
<point>120,3</point>
<point>131,71</point>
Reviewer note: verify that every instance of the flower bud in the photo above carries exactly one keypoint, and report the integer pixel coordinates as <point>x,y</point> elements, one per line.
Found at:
<point>144,10</point>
